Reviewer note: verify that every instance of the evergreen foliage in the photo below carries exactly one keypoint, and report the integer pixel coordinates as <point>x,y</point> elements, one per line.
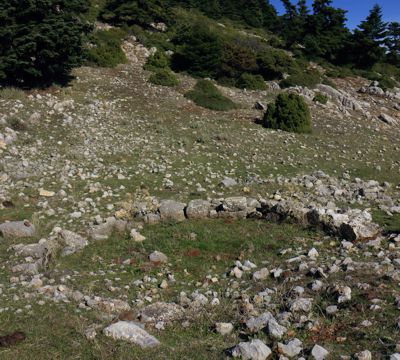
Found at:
<point>289,113</point>
<point>251,82</point>
<point>367,42</point>
<point>105,48</point>
<point>164,77</point>
<point>206,94</point>
<point>40,41</point>
<point>199,51</point>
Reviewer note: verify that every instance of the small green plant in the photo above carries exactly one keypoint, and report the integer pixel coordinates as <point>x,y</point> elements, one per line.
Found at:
<point>105,48</point>
<point>251,82</point>
<point>164,77</point>
<point>289,113</point>
<point>157,61</point>
<point>309,79</point>
<point>205,94</point>
<point>17,124</point>
<point>320,98</point>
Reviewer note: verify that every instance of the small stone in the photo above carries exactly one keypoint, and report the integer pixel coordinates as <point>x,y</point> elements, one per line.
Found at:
<point>46,193</point>
<point>363,355</point>
<point>136,236</point>
<point>252,350</point>
<point>291,349</point>
<point>319,353</point>
<point>158,257</point>
<point>224,328</point>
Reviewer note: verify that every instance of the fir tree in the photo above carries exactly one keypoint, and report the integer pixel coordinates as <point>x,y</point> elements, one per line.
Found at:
<point>393,43</point>
<point>40,41</point>
<point>368,39</point>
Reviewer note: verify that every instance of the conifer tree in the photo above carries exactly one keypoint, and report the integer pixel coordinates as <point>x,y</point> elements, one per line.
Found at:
<point>368,39</point>
<point>40,41</point>
<point>393,43</point>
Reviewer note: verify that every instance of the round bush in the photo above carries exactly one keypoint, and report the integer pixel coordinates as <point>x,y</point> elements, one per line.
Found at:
<point>320,98</point>
<point>164,77</point>
<point>206,94</point>
<point>288,113</point>
<point>251,82</point>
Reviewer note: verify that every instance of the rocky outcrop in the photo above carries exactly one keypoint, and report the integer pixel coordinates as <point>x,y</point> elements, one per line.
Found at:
<point>17,229</point>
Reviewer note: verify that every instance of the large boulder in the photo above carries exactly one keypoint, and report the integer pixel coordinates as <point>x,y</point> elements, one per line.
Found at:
<point>17,229</point>
<point>198,209</point>
<point>172,210</point>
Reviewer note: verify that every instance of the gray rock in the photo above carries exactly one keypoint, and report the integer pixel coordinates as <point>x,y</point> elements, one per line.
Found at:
<point>255,324</point>
<point>172,210</point>
<point>275,330</point>
<point>260,106</point>
<point>388,119</point>
<point>161,311</point>
<point>130,332</point>
<point>301,304</point>
<point>363,355</point>
<point>291,349</point>
<point>17,229</point>
<point>319,353</point>
<point>252,350</point>
<point>198,209</point>
<point>395,356</point>
<point>228,182</point>
<point>158,257</point>
<point>71,242</point>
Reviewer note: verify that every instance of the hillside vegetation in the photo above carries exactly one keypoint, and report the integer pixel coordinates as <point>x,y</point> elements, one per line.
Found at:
<point>198,180</point>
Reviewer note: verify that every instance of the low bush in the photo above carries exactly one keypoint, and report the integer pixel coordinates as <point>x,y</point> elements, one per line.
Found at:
<point>105,48</point>
<point>251,82</point>
<point>164,77</point>
<point>273,64</point>
<point>206,94</point>
<point>308,79</point>
<point>289,113</point>
<point>320,98</point>
<point>157,61</point>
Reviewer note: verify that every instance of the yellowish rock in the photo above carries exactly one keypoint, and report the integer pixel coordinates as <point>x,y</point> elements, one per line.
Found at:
<point>46,193</point>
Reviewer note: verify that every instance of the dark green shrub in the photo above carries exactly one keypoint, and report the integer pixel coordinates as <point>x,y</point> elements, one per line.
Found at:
<point>205,94</point>
<point>340,72</point>
<point>132,12</point>
<point>157,61</point>
<point>17,124</point>
<point>289,113</point>
<point>386,83</point>
<point>164,77</point>
<point>41,41</point>
<point>199,50</point>
<point>237,58</point>
<point>105,48</point>
<point>309,79</point>
<point>320,98</point>
<point>274,63</point>
<point>251,82</point>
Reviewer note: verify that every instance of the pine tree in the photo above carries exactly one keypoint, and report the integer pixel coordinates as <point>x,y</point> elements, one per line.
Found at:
<point>40,41</point>
<point>294,22</point>
<point>326,31</point>
<point>393,43</point>
<point>369,39</point>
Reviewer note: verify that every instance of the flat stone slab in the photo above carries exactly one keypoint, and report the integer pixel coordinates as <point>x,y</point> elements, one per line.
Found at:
<point>130,332</point>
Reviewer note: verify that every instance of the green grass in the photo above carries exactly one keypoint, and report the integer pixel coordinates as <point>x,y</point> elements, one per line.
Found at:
<point>388,223</point>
